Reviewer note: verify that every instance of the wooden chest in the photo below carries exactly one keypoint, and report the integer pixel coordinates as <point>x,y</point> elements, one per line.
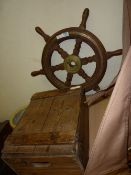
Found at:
<point>51,137</point>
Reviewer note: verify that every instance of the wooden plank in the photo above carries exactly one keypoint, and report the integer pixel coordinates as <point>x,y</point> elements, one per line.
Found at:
<point>31,123</point>
<point>41,138</point>
<point>53,150</point>
<point>54,93</point>
<point>69,116</point>
<point>83,133</point>
<point>44,150</point>
<point>34,117</point>
<point>23,123</point>
<point>46,136</point>
<point>50,172</point>
<point>54,114</point>
<point>9,149</point>
<point>71,172</point>
<point>63,116</point>
<point>40,116</point>
<point>54,162</point>
<point>48,121</point>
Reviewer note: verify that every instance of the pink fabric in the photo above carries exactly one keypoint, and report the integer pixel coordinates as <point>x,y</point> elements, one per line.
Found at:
<point>127,40</point>
<point>109,152</point>
<point>126,26</point>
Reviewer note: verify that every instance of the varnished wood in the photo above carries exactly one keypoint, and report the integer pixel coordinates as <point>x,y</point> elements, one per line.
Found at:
<point>54,125</point>
<point>84,18</point>
<point>42,33</point>
<point>114,53</point>
<point>39,72</point>
<point>50,172</point>
<point>36,164</point>
<point>51,137</point>
<point>46,94</point>
<point>69,79</point>
<point>80,35</point>
<point>77,47</point>
<point>61,51</point>
<point>83,133</point>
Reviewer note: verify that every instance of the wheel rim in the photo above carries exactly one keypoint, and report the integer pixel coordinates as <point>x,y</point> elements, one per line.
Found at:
<point>80,36</point>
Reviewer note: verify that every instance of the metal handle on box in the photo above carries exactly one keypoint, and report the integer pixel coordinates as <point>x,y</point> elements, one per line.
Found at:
<point>41,164</point>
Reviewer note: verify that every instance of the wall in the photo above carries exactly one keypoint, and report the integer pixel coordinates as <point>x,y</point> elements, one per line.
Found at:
<point>21,46</point>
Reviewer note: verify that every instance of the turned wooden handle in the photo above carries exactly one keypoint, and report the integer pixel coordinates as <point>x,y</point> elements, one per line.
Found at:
<point>84,18</point>
<point>36,73</point>
<point>42,33</point>
<point>114,53</point>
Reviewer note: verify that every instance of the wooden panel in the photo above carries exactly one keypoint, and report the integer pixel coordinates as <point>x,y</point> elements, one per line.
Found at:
<point>38,164</point>
<point>54,93</point>
<point>50,172</point>
<point>18,149</point>
<point>70,172</point>
<point>51,120</point>
<point>63,117</point>
<point>46,139</point>
<point>44,150</point>
<point>31,123</point>
<point>34,117</point>
<point>53,150</point>
<point>83,133</point>
<point>41,138</point>
<point>28,161</point>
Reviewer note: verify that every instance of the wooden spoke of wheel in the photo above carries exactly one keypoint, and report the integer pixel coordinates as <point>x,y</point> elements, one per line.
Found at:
<point>97,88</point>
<point>68,79</point>
<point>84,75</point>
<point>61,51</point>
<point>93,58</point>
<point>77,47</point>
<point>58,67</point>
<point>87,60</point>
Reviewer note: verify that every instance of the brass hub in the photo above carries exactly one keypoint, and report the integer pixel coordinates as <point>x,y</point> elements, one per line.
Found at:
<point>72,64</point>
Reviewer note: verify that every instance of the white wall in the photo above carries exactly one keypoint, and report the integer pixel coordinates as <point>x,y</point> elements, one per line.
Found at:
<point>21,46</point>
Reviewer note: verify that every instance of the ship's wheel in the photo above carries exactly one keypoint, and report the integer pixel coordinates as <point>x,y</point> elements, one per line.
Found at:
<point>73,63</point>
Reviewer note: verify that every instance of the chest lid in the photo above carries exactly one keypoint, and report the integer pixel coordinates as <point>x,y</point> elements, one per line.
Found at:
<point>50,118</point>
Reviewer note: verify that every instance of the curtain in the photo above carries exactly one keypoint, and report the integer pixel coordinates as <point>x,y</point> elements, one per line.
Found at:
<point>109,152</point>
<point>126,26</point>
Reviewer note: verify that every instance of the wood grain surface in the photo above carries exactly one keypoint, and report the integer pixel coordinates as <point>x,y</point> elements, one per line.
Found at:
<point>48,120</point>
<point>52,136</point>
